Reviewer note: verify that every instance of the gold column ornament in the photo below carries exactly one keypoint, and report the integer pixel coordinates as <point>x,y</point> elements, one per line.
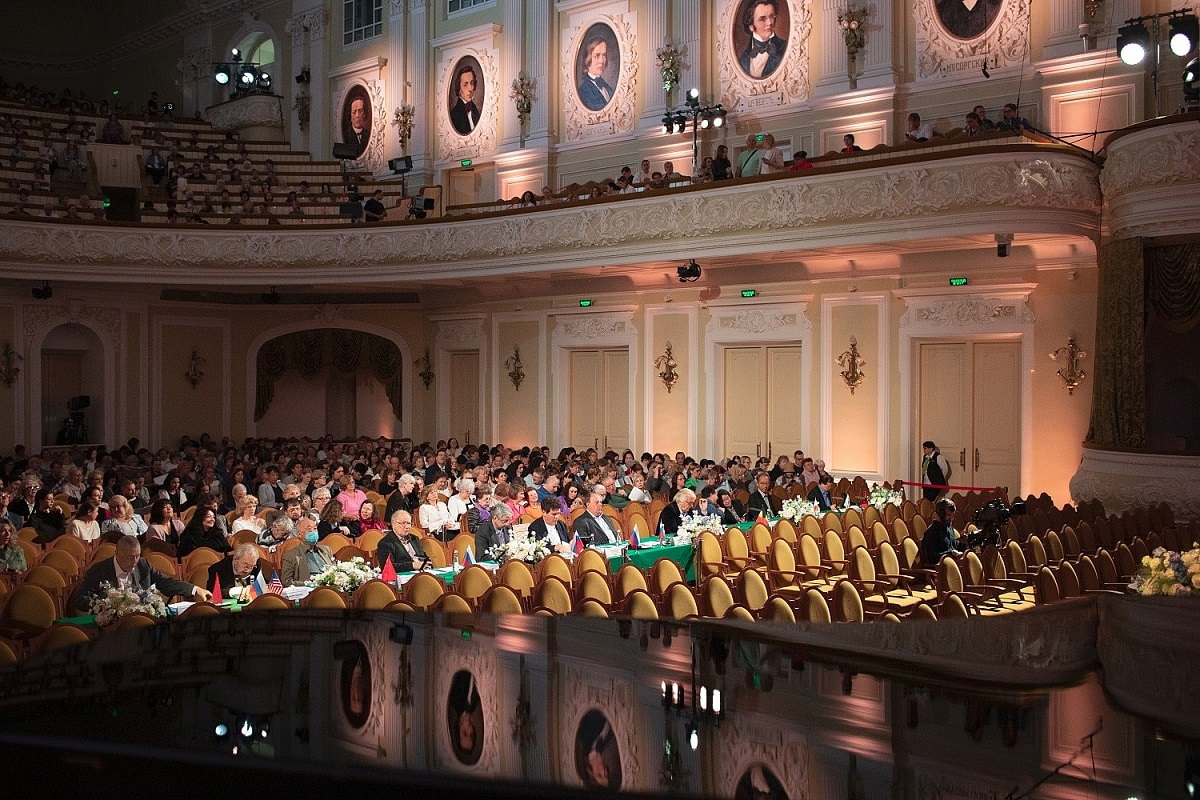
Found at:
<point>426,365</point>
<point>666,366</point>
<point>9,361</point>
<point>516,370</point>
<point>402,118</point>
<point>1071,373</point>
<point>195,370</point>
<point>851,363</point>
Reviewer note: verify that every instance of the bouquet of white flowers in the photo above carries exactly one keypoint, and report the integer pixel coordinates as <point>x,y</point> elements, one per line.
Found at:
<point>881,496</point>
<point>346,576</point>
<point>1169,573</point>
<point>111,603</point>
<point>521,547</point>
<point>693,526</point>
<point>794,508</point>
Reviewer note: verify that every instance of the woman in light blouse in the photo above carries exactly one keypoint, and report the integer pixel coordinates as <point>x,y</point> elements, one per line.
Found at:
<point>246,519</point>
<point>84,525</point>
<point>460,504</point>
<point>12,557</point>
<point>122,519</point>
<point>351,498</point>
<point>433,513</point>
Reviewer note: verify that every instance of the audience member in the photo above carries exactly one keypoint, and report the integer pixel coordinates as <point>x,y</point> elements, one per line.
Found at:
<point>750,160</point>
<point>917,131</point>
<point>848,145</point>
<point>801,162</point>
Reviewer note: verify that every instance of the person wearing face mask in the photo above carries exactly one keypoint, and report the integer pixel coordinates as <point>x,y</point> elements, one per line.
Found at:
<point>309,559</point>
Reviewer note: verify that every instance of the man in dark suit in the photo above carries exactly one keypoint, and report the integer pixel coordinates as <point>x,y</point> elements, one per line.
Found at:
<point>358,131</point>
<point>593,527</point>
<point>765,51</point>
<point>493,531</point>
<point>128,568</point>
<point>404,498</point>
<point>236,570</point>
<point>594,91</point>
<point>761,499</point>
<point>550,528</point>
<point>464,114</point>
<point>400,545</point>
<point>672,515</point>
<point>822,493</point>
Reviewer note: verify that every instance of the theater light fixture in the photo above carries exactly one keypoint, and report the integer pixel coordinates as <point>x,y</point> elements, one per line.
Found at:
<point>1184,33</point>
<point>1133,41</point>
<point>43,292</point>
<point>221,75</point>
<point>689,272</point>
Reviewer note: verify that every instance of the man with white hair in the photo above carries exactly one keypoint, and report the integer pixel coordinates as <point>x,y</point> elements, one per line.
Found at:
<point>404,497</point>
<point>672,515</point>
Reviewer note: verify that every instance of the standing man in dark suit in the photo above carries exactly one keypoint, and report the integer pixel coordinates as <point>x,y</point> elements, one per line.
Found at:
<point>765,51</point>
<point>822,493</point>
<point>236,570</point>
<point>594,91</point>
<point>550,528</point>
<point>464,114</point>
<point>761,499</point>
<point>400,545</point>
<point>127,568</point>
<point>493,531</point>
<point>593,527</point>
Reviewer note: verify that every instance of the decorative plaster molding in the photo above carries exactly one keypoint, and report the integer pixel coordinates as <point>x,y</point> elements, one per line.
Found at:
<point>460,334</point>
<point>784,752</point>
<point>483,140</point>
<point>619,115</point>
<point>455,654</point>
<point>755,321</point>
<point>788,84</point>
<point>794,211</point>
<point>246,112</point>
<point>1125,479</point>
<point>41,319</point>
<point>963,312</point>
<point>593,327</point>
<point>1004,43</point>
<point>614,695</point>
<point>1137,168</point>
<point>194,65</point>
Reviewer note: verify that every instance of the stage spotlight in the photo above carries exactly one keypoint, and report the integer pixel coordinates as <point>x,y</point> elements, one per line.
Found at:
<point>235,54</point>
<point>668,123</point>
<point>1191,75</point>
<point>689,272</point>
<point>304,76</point>
<point>247,78</point>
<point>680,123</point>
<point>706,121</point>
<point>400,166</point>
<point>718,117</point>
<point>1184,28</point>
<point>1133,40</point>
<point>222,75</point>
<point>43,292</point>
<point>264,81</point>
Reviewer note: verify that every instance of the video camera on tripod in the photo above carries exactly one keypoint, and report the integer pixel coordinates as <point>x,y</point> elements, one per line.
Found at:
<point>989,519</point>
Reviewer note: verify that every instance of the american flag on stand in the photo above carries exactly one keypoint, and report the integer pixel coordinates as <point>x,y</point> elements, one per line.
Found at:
<point>276,585</point>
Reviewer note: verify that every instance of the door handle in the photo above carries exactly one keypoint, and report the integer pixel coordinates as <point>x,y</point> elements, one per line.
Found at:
<point>596,443</point>
<point>976,459</point>
<point>758,451</point>
<point>606,442</point>
<point>962,458</point>
<point>770,449</point>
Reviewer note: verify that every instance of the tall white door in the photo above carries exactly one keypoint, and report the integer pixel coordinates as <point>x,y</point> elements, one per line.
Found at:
<point>761,400</point>
<point>599,399</point>
<point>970,406</point>
<point>464,396</point>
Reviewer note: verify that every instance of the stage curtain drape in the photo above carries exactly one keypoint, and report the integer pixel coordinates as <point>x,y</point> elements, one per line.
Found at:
<point>1119,391</point>
<point>1173,284</point>
<point>317,352</point>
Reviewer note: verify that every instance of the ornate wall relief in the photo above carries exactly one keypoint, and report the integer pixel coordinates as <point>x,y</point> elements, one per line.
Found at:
<point>467,101</point>
<point>763,62</point>
<point>358,687</point>
<point>958,35</point>
<point>465,707</point>
<point>599,74</point>
<point>599,741</point>
<point>361,116</point>
<point>762,760</point>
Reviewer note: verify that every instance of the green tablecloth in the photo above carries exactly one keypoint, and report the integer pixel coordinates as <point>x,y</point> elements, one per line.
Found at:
<point>683,555</point>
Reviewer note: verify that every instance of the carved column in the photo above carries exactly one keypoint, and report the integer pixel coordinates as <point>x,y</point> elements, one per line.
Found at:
<point>658,25</point>
<point>510,66</point>
<point>318,129</point>
<point>1065,18</point>
<point>194,71</point>
<point>539,65</point>
<point>686,16</point>
<point>876,61</point>
<point>397,72</point>
<point>834,62</point>
<point>295,28</point>
<point>418,70</point>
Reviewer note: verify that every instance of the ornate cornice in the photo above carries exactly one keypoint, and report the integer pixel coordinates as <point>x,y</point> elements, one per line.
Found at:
<point>1139,166</point>
<point>249,111</point>
<point>1043,190</point>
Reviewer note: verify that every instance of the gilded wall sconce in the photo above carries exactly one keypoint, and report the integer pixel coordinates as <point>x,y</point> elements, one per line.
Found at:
<point>1071,373</point>
<point>426,365</point>
<point>516,370</point>
<point>9,364</point>
<point>402,118</point>
<point>195,370</point>
<point>852,363</point>
<point>667,368</point>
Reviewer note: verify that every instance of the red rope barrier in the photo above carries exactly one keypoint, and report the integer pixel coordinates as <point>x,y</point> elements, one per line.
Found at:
<point>956,488</point>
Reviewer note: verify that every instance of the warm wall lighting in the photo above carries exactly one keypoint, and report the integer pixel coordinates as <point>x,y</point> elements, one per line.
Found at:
<point>1071,373</point>
<point>667,368</point>
<point>516,370</point>
<point>852,363</point>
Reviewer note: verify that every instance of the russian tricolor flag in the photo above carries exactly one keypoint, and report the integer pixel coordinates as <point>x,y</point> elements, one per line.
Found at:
<point>635,541</point>
<point>577,545</point>
<point>468,558</point>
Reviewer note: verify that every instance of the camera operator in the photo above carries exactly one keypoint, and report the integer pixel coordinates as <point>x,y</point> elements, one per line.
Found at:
<point>940,538</point>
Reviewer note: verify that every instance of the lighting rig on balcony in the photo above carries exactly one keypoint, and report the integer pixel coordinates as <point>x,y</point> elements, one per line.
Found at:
<point>1135,40</point>
<point>702,118</point>
<point>246,77</point>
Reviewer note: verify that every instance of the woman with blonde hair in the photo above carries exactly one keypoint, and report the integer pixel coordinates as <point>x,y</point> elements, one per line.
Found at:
<point>122,519</point>
<point>246,520</point>
<point>433,513</point>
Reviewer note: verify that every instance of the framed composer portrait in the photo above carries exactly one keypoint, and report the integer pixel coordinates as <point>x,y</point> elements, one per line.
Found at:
<point>465,95</point>
<point>760,36</point>
<point>597,754</point>
<point>597,66</point>
<point>967,19</point>
<point>464,718</point>
<point>356,118</point>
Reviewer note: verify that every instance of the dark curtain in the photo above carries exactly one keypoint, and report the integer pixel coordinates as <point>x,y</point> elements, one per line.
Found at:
<point>317,352</point>
<point>1173,284</point>
<point>1119,391</point>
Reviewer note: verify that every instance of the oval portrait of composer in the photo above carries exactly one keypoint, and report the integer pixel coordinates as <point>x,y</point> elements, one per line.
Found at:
<point>597,66</point>
<point>966,19</point>
<point>464,716</point>
<point>597,756</point>
<point>466,95</point>
<point>760,29</point>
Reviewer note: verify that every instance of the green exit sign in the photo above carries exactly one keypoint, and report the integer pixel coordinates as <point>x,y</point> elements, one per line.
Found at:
<point>585,303</point>
<point>466,162</point>
<point>749,292</point>
<point>958,281</point>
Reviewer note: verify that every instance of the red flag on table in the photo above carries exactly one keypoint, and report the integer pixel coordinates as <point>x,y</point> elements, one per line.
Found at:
<point>389,572</point>
<point>216,592</point>
<point>577,545</point>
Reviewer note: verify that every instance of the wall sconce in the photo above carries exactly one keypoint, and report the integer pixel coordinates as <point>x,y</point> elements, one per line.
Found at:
<point>516,370</point>
<point>1070,373</point>
<point>402,118</point>
<point>853,22</point>
<point>9,360</point>
<point>522,96</point>
<point>666,366</point>
<point>851,363</point>
<point>426,365</point>
<point>195,369</point>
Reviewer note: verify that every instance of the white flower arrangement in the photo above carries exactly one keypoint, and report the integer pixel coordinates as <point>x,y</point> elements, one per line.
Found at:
<point>794,508</point>
<point>670,62</point>
<point>111,603</point>
<point>881,496</point>
<point>346,576</point>
<point>521,547</point>
<point>693,526</point>
<point>1165,572</point>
